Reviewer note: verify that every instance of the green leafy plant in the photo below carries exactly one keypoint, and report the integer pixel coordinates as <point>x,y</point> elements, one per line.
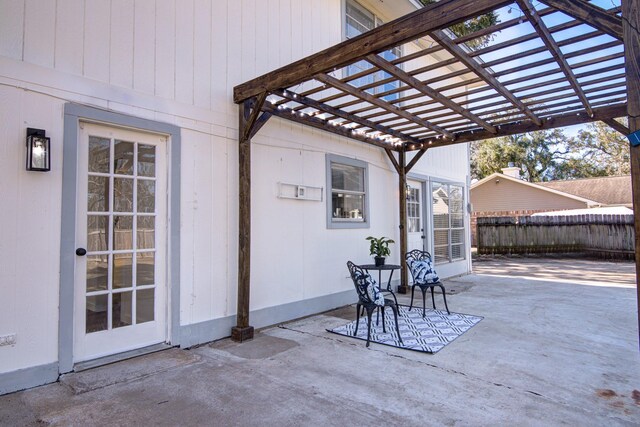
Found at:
<point>379,246</point>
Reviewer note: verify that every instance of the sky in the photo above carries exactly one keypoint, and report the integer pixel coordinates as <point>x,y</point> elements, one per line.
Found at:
<point>511,12</point>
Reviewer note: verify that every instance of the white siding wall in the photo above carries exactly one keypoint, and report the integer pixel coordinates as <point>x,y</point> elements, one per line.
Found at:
<point>177,62</point>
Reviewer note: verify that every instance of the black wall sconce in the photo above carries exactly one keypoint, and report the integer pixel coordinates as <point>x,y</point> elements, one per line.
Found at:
<point>38,150</point>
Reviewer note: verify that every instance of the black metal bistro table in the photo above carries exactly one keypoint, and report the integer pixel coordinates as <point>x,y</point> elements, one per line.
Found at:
<point>380,268</point>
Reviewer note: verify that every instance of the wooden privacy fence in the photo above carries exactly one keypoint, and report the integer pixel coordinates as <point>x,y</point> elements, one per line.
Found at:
<point>609,236</point>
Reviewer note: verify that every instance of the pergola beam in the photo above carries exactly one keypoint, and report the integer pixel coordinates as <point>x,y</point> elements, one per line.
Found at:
<point>462,56</point>
<point>550,43</point>
<point>406,28</point>
<point>431,93</point>
<point>599,114</point>
<point>590,14</point>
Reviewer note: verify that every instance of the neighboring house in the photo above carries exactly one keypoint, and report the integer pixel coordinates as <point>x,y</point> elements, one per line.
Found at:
<point>607,191</point>
<point>505,194</point>
<point>137,100</point>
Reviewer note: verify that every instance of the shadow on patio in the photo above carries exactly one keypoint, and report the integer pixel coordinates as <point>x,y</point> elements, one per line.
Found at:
<point>551,349</point>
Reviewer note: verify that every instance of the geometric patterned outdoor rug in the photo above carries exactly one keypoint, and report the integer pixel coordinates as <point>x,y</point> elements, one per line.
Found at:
<point>428,335</point>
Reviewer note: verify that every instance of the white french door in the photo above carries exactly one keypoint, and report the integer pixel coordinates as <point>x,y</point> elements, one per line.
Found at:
<point>120,295</point>
<point>415,217</point>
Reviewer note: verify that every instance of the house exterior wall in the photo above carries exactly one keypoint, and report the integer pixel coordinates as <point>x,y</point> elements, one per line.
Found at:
<point>507,195</point>
<point>177,62</point>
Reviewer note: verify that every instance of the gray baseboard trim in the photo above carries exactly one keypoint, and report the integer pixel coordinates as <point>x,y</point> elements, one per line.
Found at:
<point>210,330</point>
<point>28,377</point>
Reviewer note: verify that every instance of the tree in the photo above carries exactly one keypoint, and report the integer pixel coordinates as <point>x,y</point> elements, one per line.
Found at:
<point>597,150</point>
<point>538,154</point>
<point>472,25</point>
<point>604,148</point>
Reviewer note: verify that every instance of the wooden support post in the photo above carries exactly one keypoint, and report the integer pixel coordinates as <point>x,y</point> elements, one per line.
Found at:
<point>630,23</point>
<point>242,331</point>
<point>402,195</point>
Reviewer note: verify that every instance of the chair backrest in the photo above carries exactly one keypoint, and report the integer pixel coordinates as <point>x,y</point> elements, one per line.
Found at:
<point>358,276</point>
<point>416,255</point>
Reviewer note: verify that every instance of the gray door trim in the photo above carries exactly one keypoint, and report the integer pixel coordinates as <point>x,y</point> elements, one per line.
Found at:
<point>73,114</point>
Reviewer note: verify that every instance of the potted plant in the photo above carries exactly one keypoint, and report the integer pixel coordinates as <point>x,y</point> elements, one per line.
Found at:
<point>379,248</point>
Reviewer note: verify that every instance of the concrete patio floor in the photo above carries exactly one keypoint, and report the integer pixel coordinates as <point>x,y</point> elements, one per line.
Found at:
<point>558,345</point>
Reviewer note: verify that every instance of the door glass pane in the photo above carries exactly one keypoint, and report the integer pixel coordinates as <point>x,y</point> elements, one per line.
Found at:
<point>97,272</point>
<point>145,303</point>
<point>98,194</point>
<point>98,154</point>
<point>146,160</point>
<point>123,158</point>
<point>146,232</point>
<point>145,265</point>
<point>123,195</point>
<point>97,233</point>
<point>146,196</point>
<point>122,309</point>
<point>96,313</point>
<point>122,232</point>
<point>122,271</point>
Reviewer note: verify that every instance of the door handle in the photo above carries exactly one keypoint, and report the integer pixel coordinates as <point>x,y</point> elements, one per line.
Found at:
<point>422,237</point>
<point>81,251</point>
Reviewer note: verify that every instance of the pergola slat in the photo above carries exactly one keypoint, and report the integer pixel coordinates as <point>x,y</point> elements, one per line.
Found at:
<point>433,94</point>
<point>332,81</point>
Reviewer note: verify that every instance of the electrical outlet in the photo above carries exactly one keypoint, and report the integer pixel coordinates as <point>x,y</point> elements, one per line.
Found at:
<point>7,339</point>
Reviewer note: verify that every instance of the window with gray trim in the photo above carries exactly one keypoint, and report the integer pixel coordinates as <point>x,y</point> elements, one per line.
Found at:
<point>348,204</point>
<point>448,222</point>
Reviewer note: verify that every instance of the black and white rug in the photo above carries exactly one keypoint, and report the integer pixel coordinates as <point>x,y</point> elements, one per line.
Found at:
<point>429,334</point>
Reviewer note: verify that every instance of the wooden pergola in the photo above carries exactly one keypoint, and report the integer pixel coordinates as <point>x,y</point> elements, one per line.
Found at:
<point>569,62</point>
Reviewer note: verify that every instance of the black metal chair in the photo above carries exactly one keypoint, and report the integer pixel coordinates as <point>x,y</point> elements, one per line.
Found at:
<point>418,255</point>
<point>362,281</point>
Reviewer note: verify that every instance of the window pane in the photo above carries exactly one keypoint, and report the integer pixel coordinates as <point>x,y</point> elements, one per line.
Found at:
<point>441,221</point>
<point>348,206</point>
<point>345,177</point>
<point>98,154</point>
<point>457,252</point>
<point>457,220</point>
<point>457,236</point>
<point>441,254</point>
<point>441,237</point>
<point>122,309</point>
<point>123,158</point>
